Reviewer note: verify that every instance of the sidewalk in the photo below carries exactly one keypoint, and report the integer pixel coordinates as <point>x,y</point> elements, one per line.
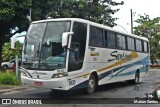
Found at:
<point>154,69</point>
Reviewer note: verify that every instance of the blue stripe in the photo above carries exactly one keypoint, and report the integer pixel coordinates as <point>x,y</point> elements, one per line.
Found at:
<point>141,62</point>
<point>81,85</point>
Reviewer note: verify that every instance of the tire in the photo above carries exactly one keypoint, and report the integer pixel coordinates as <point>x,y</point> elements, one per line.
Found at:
<point>135,80</point>
<point>91,84</point>
<point>5,67</point>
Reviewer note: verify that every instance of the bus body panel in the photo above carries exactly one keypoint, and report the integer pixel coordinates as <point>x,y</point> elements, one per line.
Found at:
<point>58,83</point>
<point>111,65</point>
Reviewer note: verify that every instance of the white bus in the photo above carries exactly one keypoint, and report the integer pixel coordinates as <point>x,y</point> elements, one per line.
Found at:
<point>72,53</point>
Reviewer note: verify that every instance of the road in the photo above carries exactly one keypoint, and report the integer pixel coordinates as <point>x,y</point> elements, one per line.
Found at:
<point>116,90</point>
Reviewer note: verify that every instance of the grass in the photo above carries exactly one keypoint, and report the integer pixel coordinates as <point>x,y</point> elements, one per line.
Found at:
<point>8,78</point>
<point>3,86</point>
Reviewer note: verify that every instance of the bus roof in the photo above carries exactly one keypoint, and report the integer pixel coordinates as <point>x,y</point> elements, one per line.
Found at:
<point>92,23</point>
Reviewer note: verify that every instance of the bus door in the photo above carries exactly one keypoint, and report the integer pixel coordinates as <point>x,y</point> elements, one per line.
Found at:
<point>77,48</point>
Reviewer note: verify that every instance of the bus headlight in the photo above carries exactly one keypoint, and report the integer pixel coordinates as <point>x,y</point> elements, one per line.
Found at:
<point>59,75</point>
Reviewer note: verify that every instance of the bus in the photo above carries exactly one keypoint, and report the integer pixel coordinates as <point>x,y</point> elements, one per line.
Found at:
<point>73,53</point>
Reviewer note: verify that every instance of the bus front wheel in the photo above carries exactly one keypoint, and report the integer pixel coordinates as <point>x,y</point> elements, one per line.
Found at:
<point>91,84</point>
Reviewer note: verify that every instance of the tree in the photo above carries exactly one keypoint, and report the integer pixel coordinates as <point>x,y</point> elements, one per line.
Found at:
<point>94,10</point>
<point>150,28</point>
<point>13,13</point>
<point>12,19</point>
<point>8,53</point>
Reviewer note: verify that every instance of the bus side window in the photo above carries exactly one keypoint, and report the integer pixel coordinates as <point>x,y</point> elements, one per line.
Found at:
<point>138,45</point>
<point>131,43</point>
<point>121,41</point>
<point>111,40</point>
<point>145,46</point>
<point>106,40</point>
<point>96,37</point>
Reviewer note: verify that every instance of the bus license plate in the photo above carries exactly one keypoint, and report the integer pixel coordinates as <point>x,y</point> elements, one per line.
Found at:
<point>38,83</point>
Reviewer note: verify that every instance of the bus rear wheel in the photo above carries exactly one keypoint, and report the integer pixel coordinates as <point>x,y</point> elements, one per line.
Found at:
<point>91,84</point>
<point>136,79</point>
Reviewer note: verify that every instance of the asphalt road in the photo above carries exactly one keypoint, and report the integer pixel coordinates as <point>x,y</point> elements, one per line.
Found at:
<point>115,90</point>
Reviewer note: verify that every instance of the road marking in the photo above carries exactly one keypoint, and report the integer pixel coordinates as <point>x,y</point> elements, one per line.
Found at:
<point>30,89</point>
<point>12,92</point>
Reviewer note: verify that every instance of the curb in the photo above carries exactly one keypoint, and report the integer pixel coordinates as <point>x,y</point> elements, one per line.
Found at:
<point>152,70</point>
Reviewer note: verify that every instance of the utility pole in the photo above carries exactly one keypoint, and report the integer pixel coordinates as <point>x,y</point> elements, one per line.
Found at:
<point>131,22</point>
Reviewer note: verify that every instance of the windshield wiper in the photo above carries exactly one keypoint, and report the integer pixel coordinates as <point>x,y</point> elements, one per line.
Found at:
<point>39,66</point>
<point>28,66</point>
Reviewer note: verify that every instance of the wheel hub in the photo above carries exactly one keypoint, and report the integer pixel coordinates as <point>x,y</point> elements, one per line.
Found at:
<point>91,84</point>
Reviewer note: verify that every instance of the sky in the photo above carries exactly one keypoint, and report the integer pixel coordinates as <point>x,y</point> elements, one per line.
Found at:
<point>150,7</point>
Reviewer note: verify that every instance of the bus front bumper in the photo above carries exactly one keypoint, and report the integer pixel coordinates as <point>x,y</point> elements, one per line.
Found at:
<point>55,83</point>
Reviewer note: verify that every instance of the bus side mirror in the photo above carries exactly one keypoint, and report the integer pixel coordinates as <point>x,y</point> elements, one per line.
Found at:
<point>65,38</point>
<point>13,41</point>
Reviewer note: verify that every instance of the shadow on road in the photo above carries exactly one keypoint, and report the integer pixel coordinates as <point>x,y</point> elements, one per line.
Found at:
<point>113,87</point>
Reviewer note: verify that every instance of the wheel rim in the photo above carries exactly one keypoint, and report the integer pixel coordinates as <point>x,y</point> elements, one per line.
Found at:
<point>91,86</point>
<point>5,67</point>
<point>136,78</point>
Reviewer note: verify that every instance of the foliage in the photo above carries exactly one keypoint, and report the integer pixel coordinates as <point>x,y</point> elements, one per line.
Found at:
<point>8,78</point>
<point>95,10</point>
<point>13,13</point>
<point>12,17</point>
<point>8,53</point>
<point>150,28</point>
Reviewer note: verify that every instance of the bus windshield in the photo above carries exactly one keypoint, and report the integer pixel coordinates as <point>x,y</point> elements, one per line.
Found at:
<point>43,49</point>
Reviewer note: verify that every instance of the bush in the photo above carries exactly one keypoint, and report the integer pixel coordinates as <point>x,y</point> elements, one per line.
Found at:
<point>8,79</point>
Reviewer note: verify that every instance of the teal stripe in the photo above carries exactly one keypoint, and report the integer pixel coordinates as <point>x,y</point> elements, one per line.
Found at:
<point>107,73</point>
<point>143,69</point>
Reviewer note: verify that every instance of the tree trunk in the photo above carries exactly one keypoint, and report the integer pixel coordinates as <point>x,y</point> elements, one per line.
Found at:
<point>0,53</point>
<point>1,48</point>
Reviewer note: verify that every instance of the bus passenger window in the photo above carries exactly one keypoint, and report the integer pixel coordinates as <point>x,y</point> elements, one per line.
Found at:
<point>106,40</point>
<point>139,45</point>
<point>130,44</point>
<point>121,42</point>
<point>96,37</point>
<point>145,46</point>
<point>111,40</point>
